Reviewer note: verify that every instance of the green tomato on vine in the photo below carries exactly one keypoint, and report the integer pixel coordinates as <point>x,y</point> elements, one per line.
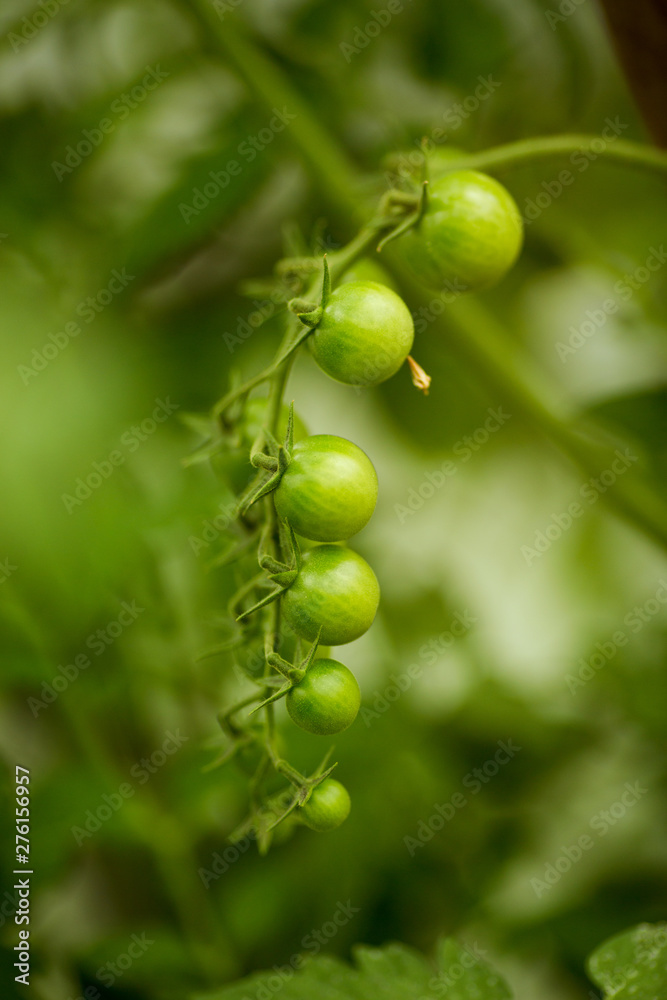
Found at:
<point>329,490</point>
<point>469,233</point>
<point>327,700</point>
<point>328,806</point>
<point>365,334</point>
<point>335,595</point>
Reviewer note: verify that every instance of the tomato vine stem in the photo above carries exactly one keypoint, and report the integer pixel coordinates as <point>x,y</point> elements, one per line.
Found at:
<point>622,152</point>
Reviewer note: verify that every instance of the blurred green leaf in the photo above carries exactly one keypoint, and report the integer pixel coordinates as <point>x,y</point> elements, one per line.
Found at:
<point>395,970</point>
<point>632,965</point>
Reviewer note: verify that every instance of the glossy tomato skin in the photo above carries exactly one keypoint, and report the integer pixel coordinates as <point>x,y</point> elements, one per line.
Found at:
<point>335,589</point>
<point>329,489</point>
<point>365,334</point>
<point>327,700</point>
<point>328,806</point>
<point>470,235</point>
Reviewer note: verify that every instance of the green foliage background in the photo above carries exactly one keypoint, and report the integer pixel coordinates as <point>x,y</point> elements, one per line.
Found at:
<point>163,337</point>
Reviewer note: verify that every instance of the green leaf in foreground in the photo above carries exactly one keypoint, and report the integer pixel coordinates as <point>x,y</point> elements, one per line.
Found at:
<point>478,980</point>
<point>629,966</point>
<point>394,971</point>
<point>632,965</point>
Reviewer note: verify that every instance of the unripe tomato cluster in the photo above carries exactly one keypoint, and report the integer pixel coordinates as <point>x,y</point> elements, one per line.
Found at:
<point>466,235</point>
<point>464,229</point>
<point>328,493</point>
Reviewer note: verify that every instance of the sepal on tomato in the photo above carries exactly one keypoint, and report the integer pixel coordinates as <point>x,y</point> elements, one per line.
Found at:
<point>415,217</point>
<point>308,314</point>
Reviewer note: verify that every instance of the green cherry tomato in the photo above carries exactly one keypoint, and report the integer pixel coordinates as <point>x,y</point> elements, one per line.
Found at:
<point>328,806</point>
<point>327,700</point>
<point>469,236</point>
<point>336,590</point>
<point>365,334</point>
<point>329,489</point>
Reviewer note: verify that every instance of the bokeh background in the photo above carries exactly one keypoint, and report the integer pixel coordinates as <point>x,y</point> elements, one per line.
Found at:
<point>150,527</point>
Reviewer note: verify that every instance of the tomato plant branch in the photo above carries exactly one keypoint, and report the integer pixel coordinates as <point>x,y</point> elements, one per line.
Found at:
<point>285,351</point>
<point>479,338</point>
<point>278,550</point>
<point>468,329</point>
<point>526,151</point>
